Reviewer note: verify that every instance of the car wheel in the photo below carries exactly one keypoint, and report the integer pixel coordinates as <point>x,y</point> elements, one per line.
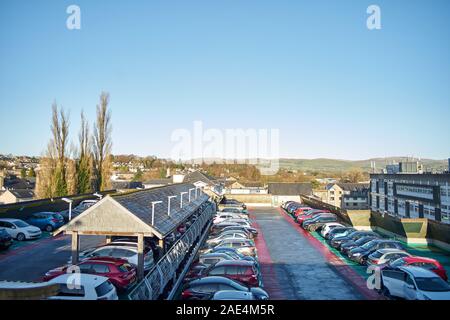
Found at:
<point>20,237</point>
<point>48,228</point>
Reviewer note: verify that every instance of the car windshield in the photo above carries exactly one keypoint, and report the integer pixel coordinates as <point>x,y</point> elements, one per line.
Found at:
<point>21,224</point>
<point>435,284</point>
<point>361,241</point>
<point>397,263</point>
<point>369,244</point>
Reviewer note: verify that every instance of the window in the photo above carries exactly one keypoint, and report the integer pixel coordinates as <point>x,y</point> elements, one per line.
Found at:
<point>409,280</point>
<point>232,270</point>
<point>103,289</point>
<point>398,275</point>
<point>217,271</point>
<point>100,268</point>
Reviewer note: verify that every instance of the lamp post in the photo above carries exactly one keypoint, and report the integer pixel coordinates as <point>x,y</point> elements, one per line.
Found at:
<point>168,204</point>
<point>181,202</point>
<point>153,211</point>
<point>69,201</point>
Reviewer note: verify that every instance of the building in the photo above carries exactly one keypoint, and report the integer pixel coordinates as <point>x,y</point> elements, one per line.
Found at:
<point>235,187</point>
<point>345,195</point>
<point>14,196</point>
<point>412,195</point>
<point>284,191</point>
<point>154,183</point>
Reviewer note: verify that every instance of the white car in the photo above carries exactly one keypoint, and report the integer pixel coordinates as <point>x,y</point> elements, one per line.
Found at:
<point>82,286</point>
<point>328,227</point>
<point>233,295</point>
<point>226,216</point>
<point>414,283</point>
<point>221,237</point>
<point>383,256</point>
<point>127,251</point>
<point>20,230</point>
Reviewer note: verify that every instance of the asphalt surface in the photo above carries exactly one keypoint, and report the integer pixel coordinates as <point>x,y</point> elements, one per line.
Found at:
<point>32,259</point>
<point>291,267</point>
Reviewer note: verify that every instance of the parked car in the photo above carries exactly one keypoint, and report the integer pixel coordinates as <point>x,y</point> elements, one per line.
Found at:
<point>90,287</point>
<point>120,250</point>
<point>338,239</point>
<point>414,283</point>
<point>211,258</point>
<point>121,274</point>
<point>5,239</point>
<point>239,270</point>
<point>219,226</point>
<point>318,221</point>
<point>383,256</point>
<point>249,230</point>
<point>46,221</point>
<point>300,212</point>
<point>360,254</point>
<point>235,235</point>
<point>19,229</point>
<point>328,227</point>
<point>235,210</point>
<point>310,215</point>
<point>421,262</point>
<point>244,246</point>
<point>235,253</point>
<point>341,233</point>
<point>233,295</point>
<point>79,209</point>
<point>349,245</point>
<point>203,288</point>
<point>228,216</point>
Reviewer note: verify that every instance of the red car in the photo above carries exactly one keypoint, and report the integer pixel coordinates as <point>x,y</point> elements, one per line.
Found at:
<point>300,211</point>
<point>310,215</point>
<point>118,271</point>
<point>243,271</point>
<point>422,262</point>
<point>309,211</point>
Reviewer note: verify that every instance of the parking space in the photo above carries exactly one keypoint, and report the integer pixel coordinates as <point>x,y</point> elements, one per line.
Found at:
<point>297,270</point>
<point>30,260</point>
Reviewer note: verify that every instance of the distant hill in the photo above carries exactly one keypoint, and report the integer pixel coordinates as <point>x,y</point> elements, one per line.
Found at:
<point>322,164</point>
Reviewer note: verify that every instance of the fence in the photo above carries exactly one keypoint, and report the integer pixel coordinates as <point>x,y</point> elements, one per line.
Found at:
<point>165,270</point>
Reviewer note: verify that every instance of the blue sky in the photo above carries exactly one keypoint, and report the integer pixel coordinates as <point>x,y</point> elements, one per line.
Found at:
<point>309,68</point>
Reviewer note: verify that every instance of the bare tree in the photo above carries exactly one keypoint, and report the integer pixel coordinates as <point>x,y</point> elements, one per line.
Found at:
<point>102,144</point>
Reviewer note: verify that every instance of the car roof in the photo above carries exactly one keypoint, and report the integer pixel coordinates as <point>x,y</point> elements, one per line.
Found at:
<point>418,272</point>
<point>210,279</point>
<point>106,260</point>
<point>390,250</point>
<point>225,263</point>
<point>233,294</point>
<point>84,279</point>
<point>420,259</point>
<point>9,219</point>
<point>116,247</point>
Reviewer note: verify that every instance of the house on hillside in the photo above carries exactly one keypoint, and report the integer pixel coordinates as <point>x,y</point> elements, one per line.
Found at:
<point>286,191</point>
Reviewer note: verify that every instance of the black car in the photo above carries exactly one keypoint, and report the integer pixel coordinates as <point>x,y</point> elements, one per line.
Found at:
<point>349,245</point>
<point>336,242</point>
<point>318,222</point>
<point>5,240</point>
<point>202,289</point>
<point>360,254</point>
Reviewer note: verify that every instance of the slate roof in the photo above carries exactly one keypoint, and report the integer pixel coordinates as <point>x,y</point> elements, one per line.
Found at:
<point>290,189</point>
<point>195,176</point>
<point>140,204</point>
<point>350,186</point>
<point>158,181</point>
<point>126,184</point>
<point>23,194</point>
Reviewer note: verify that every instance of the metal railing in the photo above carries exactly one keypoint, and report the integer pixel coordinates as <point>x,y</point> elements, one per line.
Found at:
<point>165,270</point>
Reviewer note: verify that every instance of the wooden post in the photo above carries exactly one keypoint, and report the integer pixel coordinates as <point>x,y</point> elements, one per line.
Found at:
<point>75,247</point>
<point>140,256</point>
<point>161,246</point>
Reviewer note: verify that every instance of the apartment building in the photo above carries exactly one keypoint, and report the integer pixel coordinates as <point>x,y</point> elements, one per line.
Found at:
<point>345,195</point>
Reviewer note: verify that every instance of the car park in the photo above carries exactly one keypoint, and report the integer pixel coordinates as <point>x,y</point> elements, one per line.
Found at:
<point>421,262</point>
<point>349,245</point>
<point>243,271</point>
<point>318,221</point>
<point>46,221</point>
<point>328,227</point>
<point>235,235</point>
<point>121,274</point>
<point>234,210</point>
<point>414,283</point>
<point>228,216</point>
<point>203,288</point>
<point>233,252</point>
<point>122,251</point>
<point>351,235</point>
<point>360,254</point>
<point>5,239</point>
<point>90,287</point>
<point>19,229</point>
<point>252,232</point>
<point>383,256</point>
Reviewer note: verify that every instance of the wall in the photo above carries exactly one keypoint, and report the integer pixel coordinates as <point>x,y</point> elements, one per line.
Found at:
<point>253,199</point>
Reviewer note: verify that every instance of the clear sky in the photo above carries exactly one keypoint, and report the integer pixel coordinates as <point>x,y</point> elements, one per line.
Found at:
<point>309,68</point>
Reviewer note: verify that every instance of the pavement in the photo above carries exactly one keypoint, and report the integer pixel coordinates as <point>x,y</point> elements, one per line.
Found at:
<point>30,260</point>
<point>292,267</point>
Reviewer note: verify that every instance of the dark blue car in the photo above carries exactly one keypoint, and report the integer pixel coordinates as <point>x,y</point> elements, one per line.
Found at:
<point>46,221</point>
